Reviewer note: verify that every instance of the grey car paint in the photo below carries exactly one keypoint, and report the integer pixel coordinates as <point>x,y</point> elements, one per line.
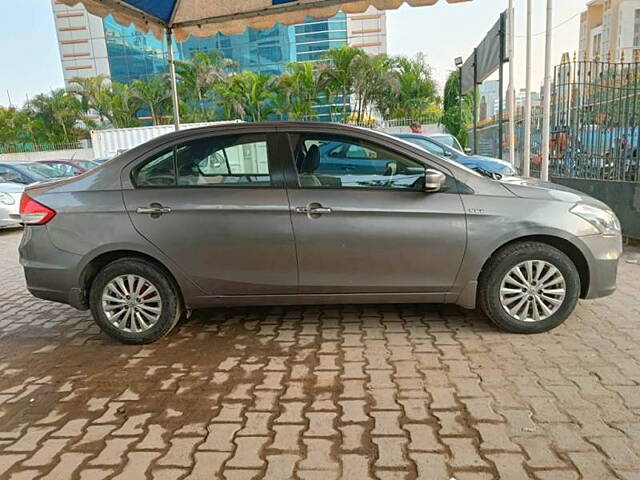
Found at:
<point>244,245</point>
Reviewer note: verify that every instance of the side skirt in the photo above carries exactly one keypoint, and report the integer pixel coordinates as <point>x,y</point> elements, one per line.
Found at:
<point>320,299</point>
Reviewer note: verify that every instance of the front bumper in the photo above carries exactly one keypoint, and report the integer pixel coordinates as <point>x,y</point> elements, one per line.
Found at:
<point>50,273</point>
<point>603,254</point>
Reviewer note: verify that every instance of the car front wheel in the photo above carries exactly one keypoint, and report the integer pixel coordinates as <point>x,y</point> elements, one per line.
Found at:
<point>529,287</point>
<point>134,301</point>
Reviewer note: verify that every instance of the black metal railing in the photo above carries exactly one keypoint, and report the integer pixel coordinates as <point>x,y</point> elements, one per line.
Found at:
<point>595,122</point>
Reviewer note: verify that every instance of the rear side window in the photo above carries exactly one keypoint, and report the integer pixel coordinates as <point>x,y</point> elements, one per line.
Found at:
<point>216,162</point>
<point>159,171</point>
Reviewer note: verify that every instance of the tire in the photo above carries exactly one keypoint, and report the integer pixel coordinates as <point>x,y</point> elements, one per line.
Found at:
<point>158,293</point>
<point>542,256</point>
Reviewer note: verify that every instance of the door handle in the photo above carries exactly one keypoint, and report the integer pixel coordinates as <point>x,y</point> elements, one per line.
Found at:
<point>313,210</point>
<point>154,209</point>
<point>319,210</point>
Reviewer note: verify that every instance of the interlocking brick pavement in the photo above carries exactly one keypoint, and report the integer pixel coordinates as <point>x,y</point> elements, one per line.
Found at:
<point>353,392</point>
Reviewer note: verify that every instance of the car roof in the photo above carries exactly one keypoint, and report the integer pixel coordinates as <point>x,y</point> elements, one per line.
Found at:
<point>422,136</point>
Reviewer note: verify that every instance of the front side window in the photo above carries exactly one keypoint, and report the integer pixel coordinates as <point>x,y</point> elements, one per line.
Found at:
<point>214,162</point>
<point>325,161</point>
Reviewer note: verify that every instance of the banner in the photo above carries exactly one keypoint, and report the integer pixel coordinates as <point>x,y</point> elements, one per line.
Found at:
<point>488,54</point>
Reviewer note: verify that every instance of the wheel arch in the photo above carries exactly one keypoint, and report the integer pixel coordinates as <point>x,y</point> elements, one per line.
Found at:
<point>97,263</point>
<point>565,246</point>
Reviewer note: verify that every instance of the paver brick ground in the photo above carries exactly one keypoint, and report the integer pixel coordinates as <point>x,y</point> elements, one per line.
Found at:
<point>354,391</point>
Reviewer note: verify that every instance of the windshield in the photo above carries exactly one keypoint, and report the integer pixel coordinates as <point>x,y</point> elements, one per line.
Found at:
<point>417,143</point>
<point>449,141</point>
<point>41,170</point>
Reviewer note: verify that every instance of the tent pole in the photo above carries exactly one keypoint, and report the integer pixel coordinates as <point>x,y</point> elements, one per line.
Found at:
<point>503,27</point>
<point>172,76</point>
<point>511,95</point>
<point>546,111</point>
<point>526,159</point>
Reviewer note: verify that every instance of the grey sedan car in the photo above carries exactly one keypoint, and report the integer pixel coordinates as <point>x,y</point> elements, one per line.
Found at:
<point>263,213</point>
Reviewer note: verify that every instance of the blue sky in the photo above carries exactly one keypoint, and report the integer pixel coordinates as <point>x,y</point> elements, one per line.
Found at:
<point>30,63</point>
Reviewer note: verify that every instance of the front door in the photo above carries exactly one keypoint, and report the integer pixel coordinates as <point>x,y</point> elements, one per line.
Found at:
<point>217,210</point>
<point>363,223</point>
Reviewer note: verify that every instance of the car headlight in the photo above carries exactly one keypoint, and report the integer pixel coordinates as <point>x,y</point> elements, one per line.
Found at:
<point>604,220</point>
<point>6,199</point>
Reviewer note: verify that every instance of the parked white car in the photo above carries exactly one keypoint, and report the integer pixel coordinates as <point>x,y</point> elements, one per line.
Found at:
<point>10,194</point>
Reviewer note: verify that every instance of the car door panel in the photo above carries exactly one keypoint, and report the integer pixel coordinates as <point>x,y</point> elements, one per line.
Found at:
<point>231,240</point>
<point>371,240</point>
<point>378,241</point>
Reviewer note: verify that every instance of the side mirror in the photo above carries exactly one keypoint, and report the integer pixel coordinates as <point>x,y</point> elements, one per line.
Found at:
<point>433,180</point>
<point>467,150</point>
<point>447,153</point>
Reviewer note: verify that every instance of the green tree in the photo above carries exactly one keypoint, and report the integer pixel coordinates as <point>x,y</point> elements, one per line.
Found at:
<point>339,72</point>
<point>416,90</point>
<point>198,77</point>
<point>451,109</point>
<point>95,94</point>
<point>248,95</point>
<point>124,106</point>
<point>57,117</point>
<point>153,94</point>
<point>15,126</point>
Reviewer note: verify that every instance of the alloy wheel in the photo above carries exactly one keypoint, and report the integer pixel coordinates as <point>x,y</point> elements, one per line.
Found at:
<point>131,303</point>
<point>532,291</point>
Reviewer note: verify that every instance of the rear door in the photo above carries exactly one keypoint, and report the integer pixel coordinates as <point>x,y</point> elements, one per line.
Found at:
<point>217,207</point>
<point>371,228</point>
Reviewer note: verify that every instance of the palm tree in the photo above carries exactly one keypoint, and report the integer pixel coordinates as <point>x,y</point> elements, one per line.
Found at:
<point>248,94</point>
<point>153,94</point>
<point>124,106</point>
<point>229,97</point>
<point>416,88</point>
<point>306,84</point>
<point>339,73</point>
<point>56,115</point>
<point>95,94</point>
<point>200,74</point>
<point>374,81</point>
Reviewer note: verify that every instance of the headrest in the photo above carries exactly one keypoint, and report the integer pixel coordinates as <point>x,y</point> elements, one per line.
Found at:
<point>311,161</point>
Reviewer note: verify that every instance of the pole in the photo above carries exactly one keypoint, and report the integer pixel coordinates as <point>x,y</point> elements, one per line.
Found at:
<point>475,101</point>
<point>501,86</point>
<point>546,108</point>
<point>172,76</point>
<point>460,99</point>
<point>526,158</point>
<point>511,88</point>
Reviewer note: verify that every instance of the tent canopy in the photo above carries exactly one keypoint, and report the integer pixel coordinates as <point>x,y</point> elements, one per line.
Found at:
<point>203,18</point>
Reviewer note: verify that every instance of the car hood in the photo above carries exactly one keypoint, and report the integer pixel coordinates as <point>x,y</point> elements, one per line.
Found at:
<point>489,159</point>
<point>541,190</point>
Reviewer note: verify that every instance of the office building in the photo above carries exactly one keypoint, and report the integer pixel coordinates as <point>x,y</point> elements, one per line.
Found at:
<point>90,46</point>
<point>610,29</point>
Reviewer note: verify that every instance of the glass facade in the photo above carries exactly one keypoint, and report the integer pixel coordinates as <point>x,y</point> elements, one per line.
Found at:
<point>133,55</point>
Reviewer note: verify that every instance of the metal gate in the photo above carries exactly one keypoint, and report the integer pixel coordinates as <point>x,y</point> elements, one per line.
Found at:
<point>595,121</point>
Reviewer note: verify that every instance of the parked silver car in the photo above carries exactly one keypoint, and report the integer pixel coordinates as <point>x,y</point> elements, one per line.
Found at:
<point>307,213</point>
<point>10,194</point>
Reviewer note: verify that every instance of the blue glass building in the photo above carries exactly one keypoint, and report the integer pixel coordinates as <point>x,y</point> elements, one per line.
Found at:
<point>133,55</point>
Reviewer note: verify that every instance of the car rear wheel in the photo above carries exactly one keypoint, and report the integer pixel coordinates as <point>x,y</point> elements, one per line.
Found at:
<point>134,301</point>
<point>529,287</point>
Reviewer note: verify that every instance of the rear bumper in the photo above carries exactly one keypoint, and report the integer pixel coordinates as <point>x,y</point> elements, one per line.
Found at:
<point>603,254</point>
<point>50,273</point>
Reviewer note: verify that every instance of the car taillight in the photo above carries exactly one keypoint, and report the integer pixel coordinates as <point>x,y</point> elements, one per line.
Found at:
<point>34,213</point>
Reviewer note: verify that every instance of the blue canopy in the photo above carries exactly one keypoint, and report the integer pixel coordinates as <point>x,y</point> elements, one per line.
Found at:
<point>208,17</point>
